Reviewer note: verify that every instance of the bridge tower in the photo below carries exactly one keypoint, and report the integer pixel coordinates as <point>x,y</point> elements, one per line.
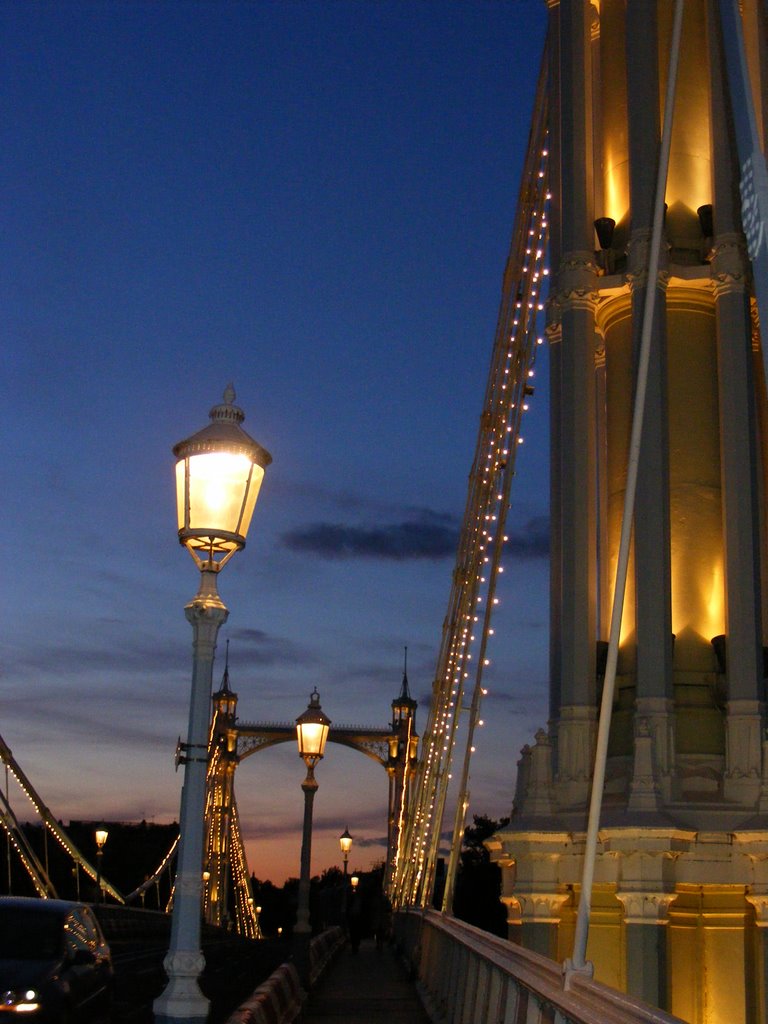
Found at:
<point>222,754</point>
<point>680,905</point>
<point>401,764</point>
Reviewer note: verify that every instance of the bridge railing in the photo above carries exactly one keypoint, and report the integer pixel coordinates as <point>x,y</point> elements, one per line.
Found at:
<point>466,976</point>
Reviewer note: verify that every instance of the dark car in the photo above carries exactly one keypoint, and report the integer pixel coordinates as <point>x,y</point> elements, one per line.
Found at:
<point>54,963</point>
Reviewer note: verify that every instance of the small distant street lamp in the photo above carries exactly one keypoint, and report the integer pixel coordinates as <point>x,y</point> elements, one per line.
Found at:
<point>345,842</point>
<point>101,838</point>
<point>354,882</point>
<point>219,471</point>
<point>259,934</point>
<point>311,733</point>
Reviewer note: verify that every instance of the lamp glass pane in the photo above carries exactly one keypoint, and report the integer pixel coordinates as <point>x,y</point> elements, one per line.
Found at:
<point>253,492</point>
<point>312,737</point>
<point>180,493</point>
<point>346,844</point>
<point>217,486</point>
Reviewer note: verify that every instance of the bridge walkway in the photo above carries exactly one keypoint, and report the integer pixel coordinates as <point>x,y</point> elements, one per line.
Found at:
<point>367,987</point>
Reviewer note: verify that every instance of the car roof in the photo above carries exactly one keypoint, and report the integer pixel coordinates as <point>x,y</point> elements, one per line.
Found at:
<point>58,908</point>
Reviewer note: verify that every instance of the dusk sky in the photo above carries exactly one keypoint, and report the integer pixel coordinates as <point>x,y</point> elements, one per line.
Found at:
<point>314,201</point>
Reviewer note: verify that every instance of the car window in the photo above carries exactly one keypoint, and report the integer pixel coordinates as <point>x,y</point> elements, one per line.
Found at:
<point>27,934</point>
<point>77,933</point>
<point>92,928</point>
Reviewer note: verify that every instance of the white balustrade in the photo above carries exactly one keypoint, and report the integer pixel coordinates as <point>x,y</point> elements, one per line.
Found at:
<point>467,976</point>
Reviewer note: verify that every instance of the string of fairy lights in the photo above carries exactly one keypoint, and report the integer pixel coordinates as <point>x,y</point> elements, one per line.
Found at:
<point>473,596</point>
<point>223,839</point>
<point>246,916</point>
<point>37,873</point>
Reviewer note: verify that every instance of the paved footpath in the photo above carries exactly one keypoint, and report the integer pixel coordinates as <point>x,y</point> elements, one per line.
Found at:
<point>367,987</point>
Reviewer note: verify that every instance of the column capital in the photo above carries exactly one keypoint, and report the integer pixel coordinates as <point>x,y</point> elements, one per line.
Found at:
<point>577,281</point>
<point>554,328</point>
<point>638,258</point>
<point>646,907</point>
<point>514,910</point>
<point>729,267</point>
<point>541,907</point>
<point>760,902</point>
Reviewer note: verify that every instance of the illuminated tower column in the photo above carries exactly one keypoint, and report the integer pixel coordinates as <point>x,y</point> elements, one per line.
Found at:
<point>574,364</point>
<point>744,656</point>
<point>653,647</point>
<point>684,820</point>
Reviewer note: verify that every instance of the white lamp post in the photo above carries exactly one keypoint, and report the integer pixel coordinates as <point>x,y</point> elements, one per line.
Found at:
<point>101,835</point>
<point>218,476</point>
<point>311,732</point>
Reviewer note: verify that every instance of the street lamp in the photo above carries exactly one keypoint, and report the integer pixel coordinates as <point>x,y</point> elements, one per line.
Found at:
<point>101,838</point>
<point>354,881</point>
<point>311,732</point>
<point>219,471</point>
<point>345,842</point>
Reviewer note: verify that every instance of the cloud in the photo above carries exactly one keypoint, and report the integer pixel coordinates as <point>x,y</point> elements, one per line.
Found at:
<point>253,648</point>
<point>422,534</point>
<point>364,844</point>
<point>149,655</point>
<point>426,535</point>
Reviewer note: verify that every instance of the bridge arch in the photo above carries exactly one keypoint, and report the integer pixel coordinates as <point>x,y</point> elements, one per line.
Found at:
<point>395,748</point>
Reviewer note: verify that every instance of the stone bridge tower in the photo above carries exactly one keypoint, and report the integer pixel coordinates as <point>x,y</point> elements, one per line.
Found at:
<point>680,909</point>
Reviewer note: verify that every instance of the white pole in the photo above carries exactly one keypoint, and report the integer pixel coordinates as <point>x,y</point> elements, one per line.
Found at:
<point>182,1001</point>
<point>577,964</point>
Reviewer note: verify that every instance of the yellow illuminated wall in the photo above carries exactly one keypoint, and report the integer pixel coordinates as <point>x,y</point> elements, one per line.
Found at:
<point>690,171</point>
<point>706,934</point>
<point>697,584</point>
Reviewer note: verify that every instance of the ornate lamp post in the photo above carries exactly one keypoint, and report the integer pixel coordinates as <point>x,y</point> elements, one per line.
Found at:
<point>101,835</point>
<point>345,842</point>
<point>219,471</point>
<point>311,732</point>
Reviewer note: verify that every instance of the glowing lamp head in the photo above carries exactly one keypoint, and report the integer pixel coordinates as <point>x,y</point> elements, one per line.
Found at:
<point>218,476</point>
<point>345,842</point>
<point>354,881</point>
<point>101,837</point>
<point>312,730</point>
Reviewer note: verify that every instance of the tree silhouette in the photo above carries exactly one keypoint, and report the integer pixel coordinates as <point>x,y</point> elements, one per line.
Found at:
<point>478,885</point>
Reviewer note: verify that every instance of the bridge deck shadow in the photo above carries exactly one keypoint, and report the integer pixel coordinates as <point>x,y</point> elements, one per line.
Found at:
<point>367,987</point>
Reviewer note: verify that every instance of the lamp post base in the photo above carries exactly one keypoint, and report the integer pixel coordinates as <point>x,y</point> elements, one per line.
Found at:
<point>182,1002</point>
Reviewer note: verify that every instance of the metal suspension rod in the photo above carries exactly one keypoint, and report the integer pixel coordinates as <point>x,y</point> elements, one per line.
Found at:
<point>577,964</point>
<point>483,520</point>
<point>48,819</point>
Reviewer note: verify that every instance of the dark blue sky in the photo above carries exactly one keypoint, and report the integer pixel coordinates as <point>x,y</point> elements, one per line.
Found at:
<point>313,200</point>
